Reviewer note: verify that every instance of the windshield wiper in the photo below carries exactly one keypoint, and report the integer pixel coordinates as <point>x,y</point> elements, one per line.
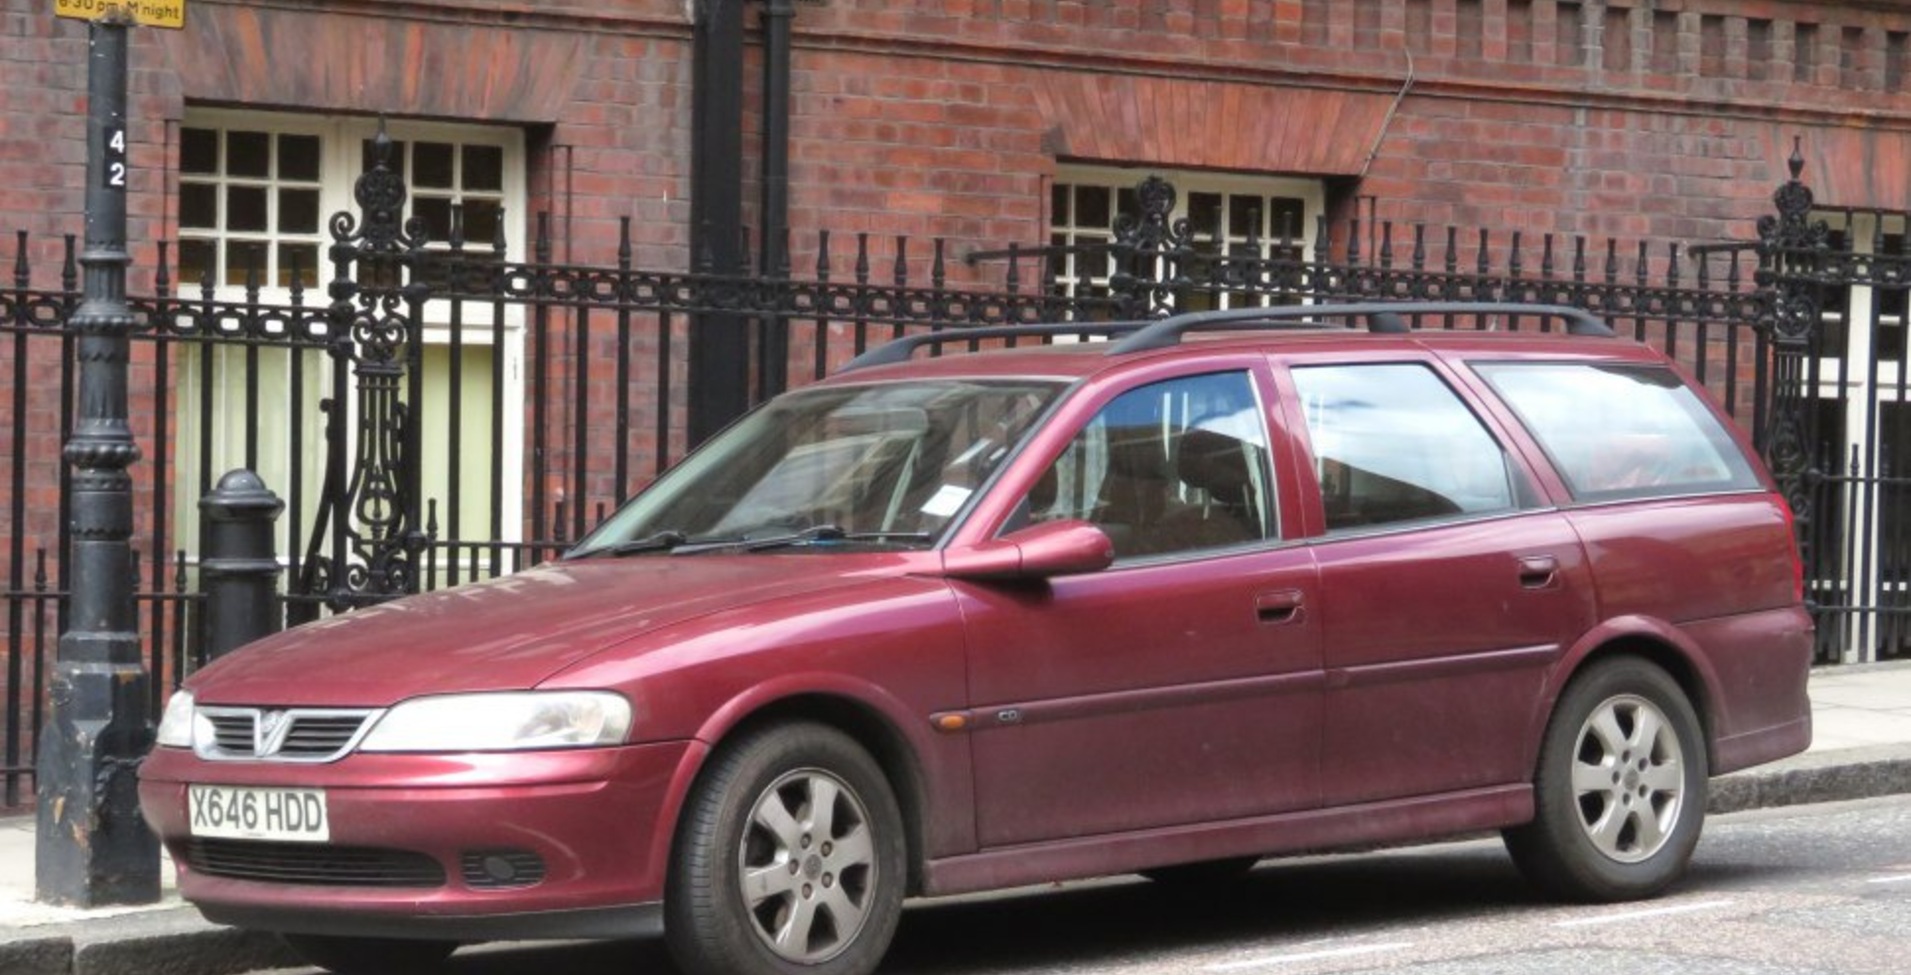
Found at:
<point>833,533</point>
<point>662,541</point>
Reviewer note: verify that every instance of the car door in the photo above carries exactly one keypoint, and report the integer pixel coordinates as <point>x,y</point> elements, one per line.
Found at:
<point>1180,685</point>
<point>1447,590</point>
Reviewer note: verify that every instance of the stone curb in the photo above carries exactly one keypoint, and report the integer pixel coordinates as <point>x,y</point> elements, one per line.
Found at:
<point>1860,774</point>
<point>175,942</point>
<point>211,951</point>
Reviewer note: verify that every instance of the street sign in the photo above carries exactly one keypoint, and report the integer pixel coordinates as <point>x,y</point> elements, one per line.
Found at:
<point>150,13</point>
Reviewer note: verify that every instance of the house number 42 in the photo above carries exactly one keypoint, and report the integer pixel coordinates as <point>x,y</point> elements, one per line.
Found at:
<point>116,159</point>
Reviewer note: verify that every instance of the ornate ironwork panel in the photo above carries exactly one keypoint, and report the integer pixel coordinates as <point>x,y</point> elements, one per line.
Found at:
<point>368,536</point>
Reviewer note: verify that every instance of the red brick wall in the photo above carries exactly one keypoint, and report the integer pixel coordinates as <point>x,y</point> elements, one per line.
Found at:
<point>944,118</point>
<point>1579,118</point>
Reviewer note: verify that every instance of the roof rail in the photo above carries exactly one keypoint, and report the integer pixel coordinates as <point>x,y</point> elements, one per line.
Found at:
<point>1385,317</point>
<point>900,349</point>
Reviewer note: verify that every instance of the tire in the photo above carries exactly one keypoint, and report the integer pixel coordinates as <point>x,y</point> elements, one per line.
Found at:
<point>790,857</point>
<point>1620,793</point>
<point>370,956</point>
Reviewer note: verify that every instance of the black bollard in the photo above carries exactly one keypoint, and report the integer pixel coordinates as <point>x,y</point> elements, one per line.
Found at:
<point>239,571</point>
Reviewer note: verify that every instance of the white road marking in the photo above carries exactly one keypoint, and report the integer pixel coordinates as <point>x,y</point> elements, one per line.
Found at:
<point>1289,959</point>
<point>1899,879</point>
<point>1587,922</point>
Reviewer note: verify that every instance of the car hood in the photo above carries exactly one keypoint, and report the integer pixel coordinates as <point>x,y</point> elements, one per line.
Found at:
<point>513,632</point>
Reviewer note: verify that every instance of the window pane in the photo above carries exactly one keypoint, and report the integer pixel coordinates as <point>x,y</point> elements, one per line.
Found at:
<point>1392,443</point>
<point>1204,214</point>
<point>199,205</point>
<point>1287,218</point>
<point>299,157</point>
<point>431,165</point>
<point>199,151</point>
<point>1244,215</point>
<point>1622,431</point>
<point>1094,263</point>
<point>484,168</point>
<point>436,212</point>
<point>248,154</point>
<point>302,259</point>
<point>243,257</point>
<point>481,219</point>
<point>1058,204</point>
<point>245,208</point>
<point>298,211</point>
<point>1170,467</point>
<point>195,260</point>
<point>1091,207</point>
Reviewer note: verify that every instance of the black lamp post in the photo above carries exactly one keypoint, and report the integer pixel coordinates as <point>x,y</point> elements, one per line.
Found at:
<point>93,847</point>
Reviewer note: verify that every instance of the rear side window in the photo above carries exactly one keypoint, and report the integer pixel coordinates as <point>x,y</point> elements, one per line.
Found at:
<point>1622,431</point>
<point>1393,443</point>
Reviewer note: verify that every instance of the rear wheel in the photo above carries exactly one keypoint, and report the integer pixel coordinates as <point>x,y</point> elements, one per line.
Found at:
<point>370,956</point>
<point>790,858</point>
<point>1620,794</point>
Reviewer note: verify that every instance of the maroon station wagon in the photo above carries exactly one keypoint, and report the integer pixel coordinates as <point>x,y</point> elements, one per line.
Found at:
<point>1233,584</point>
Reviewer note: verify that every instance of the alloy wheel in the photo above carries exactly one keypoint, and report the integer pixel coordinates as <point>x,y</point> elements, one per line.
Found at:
<point>1628,778</point>
<point>807,866</point>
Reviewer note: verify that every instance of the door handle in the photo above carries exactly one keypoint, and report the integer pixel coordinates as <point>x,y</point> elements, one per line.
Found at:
<point>1279,606</point>
<point>1538,571</point>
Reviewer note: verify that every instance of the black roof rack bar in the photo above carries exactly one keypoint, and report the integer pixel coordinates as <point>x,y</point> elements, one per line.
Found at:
<point>1382,316</point>
<point>899,350</point>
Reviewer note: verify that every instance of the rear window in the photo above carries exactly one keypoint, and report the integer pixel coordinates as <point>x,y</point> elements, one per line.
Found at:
<point>1622,431</point>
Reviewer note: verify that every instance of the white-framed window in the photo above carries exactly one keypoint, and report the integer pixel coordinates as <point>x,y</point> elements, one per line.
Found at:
<point>256,194</point>
<point>1231,215</point>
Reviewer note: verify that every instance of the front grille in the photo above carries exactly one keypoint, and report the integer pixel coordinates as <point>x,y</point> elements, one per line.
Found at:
<point>232,732</point>
<point>320,734</point>
<point>313,863</point>
<point>283,734</point>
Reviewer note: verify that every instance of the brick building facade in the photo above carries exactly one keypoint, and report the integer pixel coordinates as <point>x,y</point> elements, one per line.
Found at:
<point>952,118</point>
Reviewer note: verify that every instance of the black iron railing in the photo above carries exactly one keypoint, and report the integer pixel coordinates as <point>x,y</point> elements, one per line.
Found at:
<point>447,411</point>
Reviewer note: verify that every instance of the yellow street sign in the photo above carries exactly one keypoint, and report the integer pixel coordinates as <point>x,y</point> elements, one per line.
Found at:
<point>151,13</point>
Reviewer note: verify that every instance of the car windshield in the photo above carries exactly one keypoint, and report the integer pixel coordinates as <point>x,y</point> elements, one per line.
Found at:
<point>823,468</point>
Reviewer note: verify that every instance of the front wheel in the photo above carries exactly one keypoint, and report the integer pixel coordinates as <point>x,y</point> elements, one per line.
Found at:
<point>1620,794</point>
<point>790,858</point>
<point>370,956</point>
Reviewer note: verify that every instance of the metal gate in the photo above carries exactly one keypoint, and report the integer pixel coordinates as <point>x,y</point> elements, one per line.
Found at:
<point>1838,280</point>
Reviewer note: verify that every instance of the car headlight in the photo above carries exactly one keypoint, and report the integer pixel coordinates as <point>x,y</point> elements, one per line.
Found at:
<point>175,726</point>
<point>504,721</point>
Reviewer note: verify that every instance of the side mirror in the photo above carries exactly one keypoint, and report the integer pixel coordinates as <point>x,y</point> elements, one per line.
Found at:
<point>1055,548</point>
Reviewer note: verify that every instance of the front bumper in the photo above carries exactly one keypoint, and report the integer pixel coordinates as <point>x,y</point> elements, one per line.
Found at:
<point>597,821</point>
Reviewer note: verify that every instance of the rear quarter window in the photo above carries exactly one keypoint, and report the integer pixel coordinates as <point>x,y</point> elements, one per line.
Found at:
<point>1618,432</point>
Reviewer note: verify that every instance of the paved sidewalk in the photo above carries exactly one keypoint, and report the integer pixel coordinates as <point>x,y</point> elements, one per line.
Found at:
<point>1861,747</point>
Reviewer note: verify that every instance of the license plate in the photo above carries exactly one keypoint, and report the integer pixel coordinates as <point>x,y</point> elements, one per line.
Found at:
<point>247,813</point>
